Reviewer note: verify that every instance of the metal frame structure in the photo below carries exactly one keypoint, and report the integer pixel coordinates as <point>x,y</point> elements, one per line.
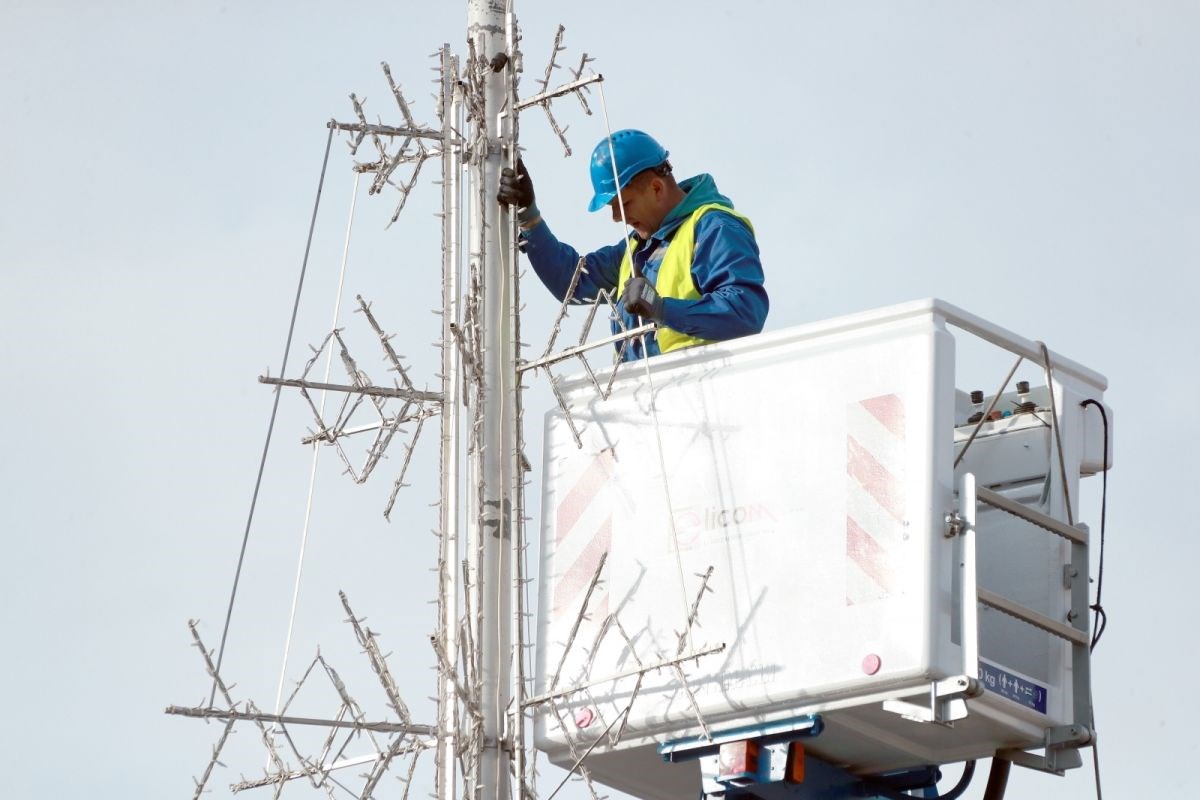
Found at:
<point>478,739</point>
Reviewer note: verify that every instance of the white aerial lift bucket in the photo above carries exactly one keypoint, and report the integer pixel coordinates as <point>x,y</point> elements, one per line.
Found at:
<point>833,559</point>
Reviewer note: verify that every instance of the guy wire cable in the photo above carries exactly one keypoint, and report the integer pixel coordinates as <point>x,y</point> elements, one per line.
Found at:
<point>312,475</point>
<point>262,463</point>
<point>1062,464</point>
<point>662,460</point>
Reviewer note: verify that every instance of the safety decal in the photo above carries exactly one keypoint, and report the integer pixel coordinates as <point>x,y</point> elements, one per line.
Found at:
<point>875,495</point>
<point>582,535</point>
<point>1015,688</point>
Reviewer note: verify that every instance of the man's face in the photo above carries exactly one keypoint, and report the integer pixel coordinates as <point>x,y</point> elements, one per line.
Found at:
<point>643,200</point>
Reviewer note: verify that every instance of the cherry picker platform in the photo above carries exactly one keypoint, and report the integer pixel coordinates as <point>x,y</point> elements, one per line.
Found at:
<point>813,548</point>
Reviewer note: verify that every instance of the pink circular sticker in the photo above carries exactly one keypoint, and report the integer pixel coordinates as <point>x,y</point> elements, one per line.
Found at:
<point>871,664</point>
<point>584,717</point>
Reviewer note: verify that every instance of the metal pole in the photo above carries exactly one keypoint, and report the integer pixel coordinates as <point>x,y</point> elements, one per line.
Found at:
<point>447,774</point>
<point>472,626</point>
<point>511,253</point>
<point>486,30</point>
<point>969,634</point>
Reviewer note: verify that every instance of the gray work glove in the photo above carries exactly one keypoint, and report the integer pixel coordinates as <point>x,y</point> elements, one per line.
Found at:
<point>641,298</point>
<point>516,189</point>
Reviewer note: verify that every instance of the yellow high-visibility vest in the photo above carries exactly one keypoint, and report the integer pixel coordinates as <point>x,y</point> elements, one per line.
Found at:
<point>674,277</point>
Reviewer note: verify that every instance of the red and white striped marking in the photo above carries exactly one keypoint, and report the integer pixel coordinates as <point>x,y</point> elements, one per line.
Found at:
<point>582,534</point>
<point>875,495</point>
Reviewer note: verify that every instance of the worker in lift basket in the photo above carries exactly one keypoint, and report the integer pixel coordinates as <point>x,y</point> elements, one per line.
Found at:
<point>695,269</point>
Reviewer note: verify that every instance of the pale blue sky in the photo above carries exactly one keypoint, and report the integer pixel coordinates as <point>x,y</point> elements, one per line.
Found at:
<point>1032,162</point>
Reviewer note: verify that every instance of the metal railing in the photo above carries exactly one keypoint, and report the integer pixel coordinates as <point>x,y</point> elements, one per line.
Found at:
<point>1062,742</point>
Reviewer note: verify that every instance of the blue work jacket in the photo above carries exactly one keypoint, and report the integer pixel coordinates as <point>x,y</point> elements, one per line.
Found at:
<point>725,268</point>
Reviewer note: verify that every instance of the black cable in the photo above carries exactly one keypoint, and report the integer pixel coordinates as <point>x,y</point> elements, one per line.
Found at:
<point>964,782</point>
<point>1096,760</point>
<point>1101,618</point>
<point>262,463</point>
<point>997,779</point>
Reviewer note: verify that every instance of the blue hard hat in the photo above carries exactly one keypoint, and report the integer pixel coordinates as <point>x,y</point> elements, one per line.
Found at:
<point>635,151</point>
